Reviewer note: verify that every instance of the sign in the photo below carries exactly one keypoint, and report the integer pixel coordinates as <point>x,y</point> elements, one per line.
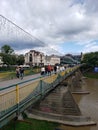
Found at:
<point>96,69</point>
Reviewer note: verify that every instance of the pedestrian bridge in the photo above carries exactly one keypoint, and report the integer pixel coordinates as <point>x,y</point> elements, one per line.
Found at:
<point>15,98</point>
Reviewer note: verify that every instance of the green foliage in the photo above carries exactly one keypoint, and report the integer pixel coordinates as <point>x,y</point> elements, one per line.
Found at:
<point>20,60</point>
<point>91,74</point>
<point>9,58</point>
<point>7,49</point>
<point>91,59</point>
<point>30,124</point>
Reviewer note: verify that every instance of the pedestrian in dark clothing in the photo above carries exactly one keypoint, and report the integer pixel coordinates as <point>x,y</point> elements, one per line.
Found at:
<point>46,70</point>
<point>21,72</point>
<point>55,69</point>
<point>17,72</point>
<point>49,69</point>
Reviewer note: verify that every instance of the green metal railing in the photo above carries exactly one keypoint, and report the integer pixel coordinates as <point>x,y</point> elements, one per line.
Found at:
<point>16,98</point>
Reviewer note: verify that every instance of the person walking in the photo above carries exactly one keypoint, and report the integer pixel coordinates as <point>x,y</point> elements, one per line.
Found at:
<point>55,69</point>
<point>49,69</point>
<point>46,69</point>
<point>17,71</point>
<point>42,70</point>
<point>21,72</point>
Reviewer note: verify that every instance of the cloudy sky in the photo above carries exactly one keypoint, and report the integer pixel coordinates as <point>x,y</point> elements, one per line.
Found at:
<point>64,26</point>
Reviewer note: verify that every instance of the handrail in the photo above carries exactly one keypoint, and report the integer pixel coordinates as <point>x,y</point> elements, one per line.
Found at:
<point>16,100</point>
<point>19,83</point>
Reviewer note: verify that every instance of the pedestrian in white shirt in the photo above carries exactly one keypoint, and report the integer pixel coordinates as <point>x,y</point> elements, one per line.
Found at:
<point>42,70</point>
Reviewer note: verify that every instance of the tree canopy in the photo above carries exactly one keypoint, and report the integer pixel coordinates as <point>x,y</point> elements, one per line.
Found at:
<point>91,59</point>
<point>9,58</point>
<point>6,49</point>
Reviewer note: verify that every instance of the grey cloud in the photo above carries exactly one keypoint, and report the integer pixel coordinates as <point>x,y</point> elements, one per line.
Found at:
<point>52,22</point>
<point>16,37</point>
<point>74,28</point>
<point>91,7</point>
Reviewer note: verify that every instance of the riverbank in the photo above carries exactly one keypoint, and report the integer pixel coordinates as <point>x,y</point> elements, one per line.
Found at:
<point>91,74</point>
<point>88,104</point>
<point>30,124</point>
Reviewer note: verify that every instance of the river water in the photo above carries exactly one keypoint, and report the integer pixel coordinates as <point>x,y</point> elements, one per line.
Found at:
<point>88,104</point>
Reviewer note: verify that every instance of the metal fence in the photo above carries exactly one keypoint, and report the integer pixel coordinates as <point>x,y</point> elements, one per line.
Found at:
<point>17,97</point>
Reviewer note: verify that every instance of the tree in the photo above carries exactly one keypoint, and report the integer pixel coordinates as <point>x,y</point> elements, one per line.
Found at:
<point>6,49</point>
<point>9,57</point>
<point>6,54</point>
<point>20,60</point>
<point>91,59</point>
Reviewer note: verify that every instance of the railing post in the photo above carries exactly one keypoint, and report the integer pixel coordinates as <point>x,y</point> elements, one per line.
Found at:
<point>41,86</point>
<point>17,98</point>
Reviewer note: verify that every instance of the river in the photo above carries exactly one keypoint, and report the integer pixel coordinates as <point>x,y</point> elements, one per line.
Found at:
<point>88,104</point>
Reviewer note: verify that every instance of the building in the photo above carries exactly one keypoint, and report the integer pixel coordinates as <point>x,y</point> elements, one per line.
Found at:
<point>52,60</point>
<point>1,62</point>
<point>34,58</point>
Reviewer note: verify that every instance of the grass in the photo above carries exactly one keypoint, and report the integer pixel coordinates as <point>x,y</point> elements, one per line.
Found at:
<point>12,74</point>
<point>91,74</point>
<point>30,124</point>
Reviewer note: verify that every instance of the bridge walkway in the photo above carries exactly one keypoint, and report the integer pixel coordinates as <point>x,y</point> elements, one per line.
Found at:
<point>17,95</point>
<point>5,84</point>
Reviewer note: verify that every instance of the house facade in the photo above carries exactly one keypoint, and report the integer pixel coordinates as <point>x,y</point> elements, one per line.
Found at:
<point>52,60</point>
<point>1,62</point>
<point>36,58</point>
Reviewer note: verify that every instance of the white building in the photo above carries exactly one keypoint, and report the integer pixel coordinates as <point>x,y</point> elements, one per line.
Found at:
<point>1,62</point>
<point>34,58</point>
<point>52,60</point>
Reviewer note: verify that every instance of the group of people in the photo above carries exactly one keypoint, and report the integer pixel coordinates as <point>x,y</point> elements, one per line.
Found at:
<point>19,72</point>
<point>45,70</point>
<point>48,69</point>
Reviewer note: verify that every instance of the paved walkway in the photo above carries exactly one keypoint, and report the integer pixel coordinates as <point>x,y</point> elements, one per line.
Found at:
<point>7,83</point>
